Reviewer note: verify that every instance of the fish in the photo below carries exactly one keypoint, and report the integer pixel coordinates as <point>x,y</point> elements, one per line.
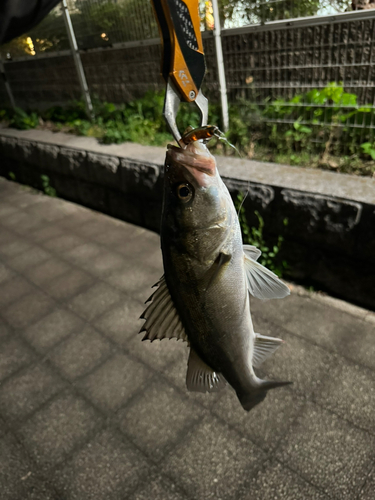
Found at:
<point>209,274</point>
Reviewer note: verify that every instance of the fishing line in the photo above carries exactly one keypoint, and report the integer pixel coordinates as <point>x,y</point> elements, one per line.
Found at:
<point>221,136</point>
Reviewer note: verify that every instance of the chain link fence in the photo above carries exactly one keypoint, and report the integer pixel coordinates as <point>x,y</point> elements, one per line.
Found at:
<point>297,69</point>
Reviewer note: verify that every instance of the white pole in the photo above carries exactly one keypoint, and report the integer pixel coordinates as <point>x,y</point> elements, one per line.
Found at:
<point>6,83</point>
<point>220,66</point>
<point>77,60</point>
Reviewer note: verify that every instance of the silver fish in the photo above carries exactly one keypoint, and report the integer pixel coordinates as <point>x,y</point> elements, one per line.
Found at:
<point>203,297</point>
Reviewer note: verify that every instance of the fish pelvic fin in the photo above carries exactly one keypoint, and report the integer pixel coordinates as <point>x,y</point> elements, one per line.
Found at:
<point>257,394</point>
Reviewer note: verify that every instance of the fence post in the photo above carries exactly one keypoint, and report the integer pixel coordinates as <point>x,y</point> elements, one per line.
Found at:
<point>77,60</point>
<point>220,66</point>
<point>7,86</point>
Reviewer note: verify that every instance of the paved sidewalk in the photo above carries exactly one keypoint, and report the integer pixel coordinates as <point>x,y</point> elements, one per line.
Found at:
<point>88,411</point>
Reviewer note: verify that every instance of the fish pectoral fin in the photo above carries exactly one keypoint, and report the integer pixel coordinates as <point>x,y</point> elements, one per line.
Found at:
<point>200,377</point>
<point>221,260</point>
<point>162,318</point>
<point>252,252</point>
<point>263,348</point>
<point>263,283</point>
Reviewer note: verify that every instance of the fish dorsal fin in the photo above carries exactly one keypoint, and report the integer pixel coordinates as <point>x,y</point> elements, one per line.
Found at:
<point>263,283</point>
<point>162,318</point>
<point>252,252</point>
<point>200,377</point>
<point>263,348</point>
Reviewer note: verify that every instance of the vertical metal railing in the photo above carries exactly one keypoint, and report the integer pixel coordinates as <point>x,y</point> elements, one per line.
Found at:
<point>7,85</point>
<point>77,60</point>
<point>220,66</point>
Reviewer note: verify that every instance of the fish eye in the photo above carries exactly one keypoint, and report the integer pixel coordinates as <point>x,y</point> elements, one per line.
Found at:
<point>184,192</point>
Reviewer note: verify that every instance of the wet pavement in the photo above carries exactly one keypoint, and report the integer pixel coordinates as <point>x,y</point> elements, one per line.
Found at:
<point>88,411</point>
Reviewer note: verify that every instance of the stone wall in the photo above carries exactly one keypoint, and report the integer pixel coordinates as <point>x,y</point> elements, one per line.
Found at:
<point>329,238</point>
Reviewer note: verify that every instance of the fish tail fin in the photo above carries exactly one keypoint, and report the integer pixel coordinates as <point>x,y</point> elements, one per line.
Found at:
<point>257,394</point>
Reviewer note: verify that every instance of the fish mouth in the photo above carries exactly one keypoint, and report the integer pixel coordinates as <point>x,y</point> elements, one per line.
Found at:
<point>196,159</point>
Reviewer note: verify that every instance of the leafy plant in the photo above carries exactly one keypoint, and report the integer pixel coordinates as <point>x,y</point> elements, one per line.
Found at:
<point>369,149</point>
<point>12,176</point>
<point>24,121</point>
<point>314,129</point>
<point>254,236</point>
<point>47,188</point>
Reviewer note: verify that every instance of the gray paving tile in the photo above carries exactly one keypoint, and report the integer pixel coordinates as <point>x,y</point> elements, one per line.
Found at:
<point>4,329</point>
<point>299,361</point>
<point>5,273</point>
<point>82,215</point>
<point>52,329</point>
<point>47,209</point>
<point>58,428</point>
<point>159,354</point>
<point>29,258</point>
<point>114,235</point>
<point>27,390</point>
<point>28,309</point>
<point>14,247</point>
<point>64,243</point>
<point>83,254</point>
<point>7,209</point>
<point>69,284</point>
<point>3,427</point>
<point>135,280</point>
<point>24,197</point>
<point>14,289</point>
<point>323,325</point>
<point>94,226</point>
<point>275,482</point>
<point>114,382</point>
<point>328,452</point>
<point>14,468</point>
<point>141,242</point>
<point>268,422</point>
<point>21,198</point>
<point>14,354</point>
<point>80,353</point>
<point>158,419</point>
<point>350,392</point>
<point>213,461</point>
<point>7,236</point>
<point>106,468</point>
<point>105,263</point>
<point>121,321</point>
<point>47,271</point>
<point>47,233</point>
<point>158,488</point>
<point>94,301</point>
<point>367,492</point>
<point>22,223</point>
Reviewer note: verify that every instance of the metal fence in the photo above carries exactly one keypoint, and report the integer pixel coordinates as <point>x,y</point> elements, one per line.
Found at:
<point>281,58</point>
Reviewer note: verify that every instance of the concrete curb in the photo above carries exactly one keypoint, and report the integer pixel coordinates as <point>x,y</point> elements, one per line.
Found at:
<point>329,238</point>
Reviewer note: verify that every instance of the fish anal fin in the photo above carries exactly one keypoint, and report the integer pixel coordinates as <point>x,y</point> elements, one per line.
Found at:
<point>264,347</point>
<point>162,318</point>
<point>200,377</point>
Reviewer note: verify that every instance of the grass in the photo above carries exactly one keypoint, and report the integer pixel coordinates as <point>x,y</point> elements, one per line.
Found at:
<point>332,148</point>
